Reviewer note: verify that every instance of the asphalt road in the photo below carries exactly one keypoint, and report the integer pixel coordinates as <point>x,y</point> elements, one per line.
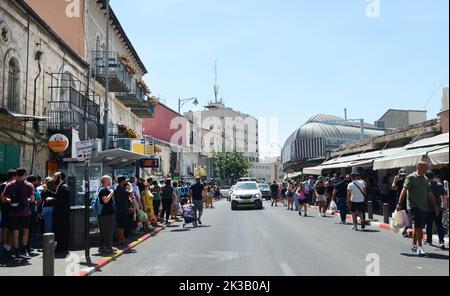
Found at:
<point>275,242</point>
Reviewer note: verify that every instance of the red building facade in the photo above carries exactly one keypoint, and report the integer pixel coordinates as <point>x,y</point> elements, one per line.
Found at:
<point>166,125</point>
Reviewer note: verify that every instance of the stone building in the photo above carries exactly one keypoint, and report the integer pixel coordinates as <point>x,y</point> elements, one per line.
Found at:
<point>268,169</point>
<point>30,52</point>
<point>395,119</point>
<point>53,77</point>
<point>225,130</point>
<point>128,91</point>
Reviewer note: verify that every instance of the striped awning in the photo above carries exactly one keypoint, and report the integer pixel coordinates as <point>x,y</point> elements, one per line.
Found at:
<point>439,157</point>
<point>406,158</point>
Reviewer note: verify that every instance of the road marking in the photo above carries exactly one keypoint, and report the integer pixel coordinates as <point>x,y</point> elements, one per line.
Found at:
<point>286,269</point>
<point>218,256</point>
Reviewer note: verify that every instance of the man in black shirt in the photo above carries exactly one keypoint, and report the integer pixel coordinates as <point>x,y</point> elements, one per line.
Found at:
<point>274,189</point>
<point>122,200</point>
<point>61,214</point>
<point>106,217</point>
<point>340,197</point>
<point>196,191</point>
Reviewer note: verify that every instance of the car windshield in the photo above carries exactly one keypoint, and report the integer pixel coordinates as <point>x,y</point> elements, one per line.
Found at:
<point>263,186</point>
<point>246,186</point>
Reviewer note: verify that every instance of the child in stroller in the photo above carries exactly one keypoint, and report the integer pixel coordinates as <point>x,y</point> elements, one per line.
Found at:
<point>190,215</point>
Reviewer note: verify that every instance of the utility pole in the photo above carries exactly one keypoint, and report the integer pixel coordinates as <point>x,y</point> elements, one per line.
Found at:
<point>106,56</point>
<point>87,187</point>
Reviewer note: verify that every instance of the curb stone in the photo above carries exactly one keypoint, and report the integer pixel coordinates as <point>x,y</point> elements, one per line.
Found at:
<point>105,261</point>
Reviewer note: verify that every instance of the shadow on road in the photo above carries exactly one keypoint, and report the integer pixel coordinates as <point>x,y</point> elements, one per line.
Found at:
<point>181,230</point>
<point>13,263</point>
<point>370,231</point>
<point>429,256</point>
<point>172,226</point>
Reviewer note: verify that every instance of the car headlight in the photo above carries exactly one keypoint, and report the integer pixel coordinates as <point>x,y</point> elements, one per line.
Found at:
<point>258,195</point>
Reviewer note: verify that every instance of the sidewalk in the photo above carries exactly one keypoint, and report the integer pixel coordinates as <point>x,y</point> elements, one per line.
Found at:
<point>376,223</point>
<point>75,263</point>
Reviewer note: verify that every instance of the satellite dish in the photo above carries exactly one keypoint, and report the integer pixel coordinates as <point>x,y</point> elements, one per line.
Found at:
<point>92,131</point>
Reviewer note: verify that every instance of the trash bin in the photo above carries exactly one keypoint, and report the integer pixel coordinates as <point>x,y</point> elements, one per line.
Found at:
<point>77,227</point>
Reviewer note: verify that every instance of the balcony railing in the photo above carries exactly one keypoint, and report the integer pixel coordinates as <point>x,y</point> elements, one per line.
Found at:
<point>137,101</point>
<point>70,103</point>
<point>146,110</point>
<point>65,116</point>
<point>119,78</point>
<point>133,97</point>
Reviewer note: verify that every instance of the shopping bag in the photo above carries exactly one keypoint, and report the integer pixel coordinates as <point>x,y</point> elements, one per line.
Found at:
<point>179,210</point>
<point>333,206</point>
<point>406,221</point>
<point>142,216</point>
<point>397,221</point>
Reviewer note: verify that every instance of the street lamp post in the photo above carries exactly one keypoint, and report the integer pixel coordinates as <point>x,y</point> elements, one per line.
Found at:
<point>181,103</point>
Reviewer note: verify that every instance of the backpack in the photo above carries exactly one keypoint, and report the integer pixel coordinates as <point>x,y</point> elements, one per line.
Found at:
<point>96,206</point>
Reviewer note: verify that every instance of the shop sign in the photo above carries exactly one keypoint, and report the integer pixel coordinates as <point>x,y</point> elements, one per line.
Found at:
<point>58,143</point>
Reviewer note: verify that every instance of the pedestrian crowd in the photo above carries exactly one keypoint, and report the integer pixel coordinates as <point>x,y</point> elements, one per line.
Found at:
<point>141,204</point>
<point>30,205</point>
<point>421,195</point>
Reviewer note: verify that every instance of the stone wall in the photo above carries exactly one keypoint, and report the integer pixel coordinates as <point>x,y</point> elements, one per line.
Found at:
<point>55,58</point>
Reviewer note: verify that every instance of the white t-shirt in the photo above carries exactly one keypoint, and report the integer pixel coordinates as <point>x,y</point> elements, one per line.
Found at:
<point>357,195</point>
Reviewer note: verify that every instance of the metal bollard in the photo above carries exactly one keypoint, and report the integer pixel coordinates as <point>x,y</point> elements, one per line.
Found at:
<point>387,213</point>
<point>49,254</point>
<point>370,209</point>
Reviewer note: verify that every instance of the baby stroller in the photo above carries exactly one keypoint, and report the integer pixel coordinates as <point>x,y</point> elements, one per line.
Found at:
<point>190,215</point>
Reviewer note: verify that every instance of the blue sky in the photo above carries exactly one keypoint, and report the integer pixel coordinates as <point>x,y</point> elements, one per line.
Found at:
<point>293,59</point>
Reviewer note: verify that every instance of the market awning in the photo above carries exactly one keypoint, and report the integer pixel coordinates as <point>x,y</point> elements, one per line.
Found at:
<point>363,156</point>
<point>295,175</point>
<point>318,170</point>
<point>439,157</point>
<point>405,158</point>
<point>441,139</point>
<point>117,158</point>
<point>23,117</point>
<point>358,160</point>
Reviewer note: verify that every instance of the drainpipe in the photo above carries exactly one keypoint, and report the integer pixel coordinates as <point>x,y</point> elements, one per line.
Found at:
<point>27,66</point>
<point>106,117</point>
<point>35,122</point>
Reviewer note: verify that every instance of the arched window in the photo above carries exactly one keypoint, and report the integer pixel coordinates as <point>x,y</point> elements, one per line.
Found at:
<point>13,85</point>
